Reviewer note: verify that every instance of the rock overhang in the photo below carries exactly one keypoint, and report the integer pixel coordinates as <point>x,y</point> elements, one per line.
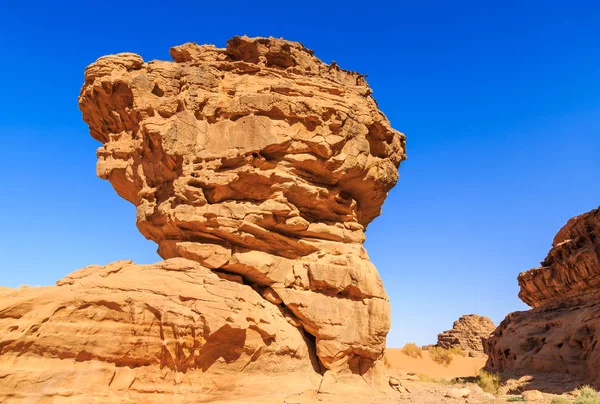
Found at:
<point>256,160</point>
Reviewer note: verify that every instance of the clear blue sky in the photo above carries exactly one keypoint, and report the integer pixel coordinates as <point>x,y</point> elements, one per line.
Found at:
<point>501,106</point>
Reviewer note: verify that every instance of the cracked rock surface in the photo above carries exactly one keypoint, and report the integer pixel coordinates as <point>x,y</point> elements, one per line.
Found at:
<point>560,334</point>
<point>256,169</point>
<point>136,333</point>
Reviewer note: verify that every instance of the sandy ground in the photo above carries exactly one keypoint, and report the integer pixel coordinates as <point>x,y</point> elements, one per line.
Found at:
<point>419,392</point>
<point>460,366</point>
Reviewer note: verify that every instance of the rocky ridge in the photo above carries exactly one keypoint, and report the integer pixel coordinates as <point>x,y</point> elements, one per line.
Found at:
<point>467,333</point>
<point>256,169</point>
<point>560,334</point>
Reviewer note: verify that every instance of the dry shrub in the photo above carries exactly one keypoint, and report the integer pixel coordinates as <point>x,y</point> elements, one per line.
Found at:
<point>411,349</point>
<point>587,395</point>
<point>489,382</point>
<point>440,355</point>
<point>457,351</point>
<point>430,379</point>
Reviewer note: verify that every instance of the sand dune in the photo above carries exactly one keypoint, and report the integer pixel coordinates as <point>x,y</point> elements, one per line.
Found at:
<point>460,366</point>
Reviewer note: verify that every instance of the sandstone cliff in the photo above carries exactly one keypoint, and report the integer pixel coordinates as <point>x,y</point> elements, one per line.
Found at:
<point>561,333</point>
<point>467,333</point>
<point>256,169</point>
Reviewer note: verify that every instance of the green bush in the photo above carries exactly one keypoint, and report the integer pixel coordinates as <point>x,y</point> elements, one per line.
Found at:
<point>440,355</point>
<point>586,392</point>
<point>588,400</point>
<point>515,399</point>
<point>411,349</point>
<point>560,400</point>
<point>587,395</point>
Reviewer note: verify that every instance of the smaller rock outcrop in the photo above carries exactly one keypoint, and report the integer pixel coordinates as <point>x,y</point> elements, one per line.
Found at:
<point>467,333</point>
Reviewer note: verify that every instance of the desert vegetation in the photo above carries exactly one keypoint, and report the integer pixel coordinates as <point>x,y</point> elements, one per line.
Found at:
<point>441,355</point>
<point>413,350</point>
<point>587,395</point>
<point>583,395</point>
<point>457,351</point>
<point>431,379</point>
<point>489,382</point>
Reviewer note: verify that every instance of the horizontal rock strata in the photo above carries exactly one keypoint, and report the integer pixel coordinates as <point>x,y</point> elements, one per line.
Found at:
<point>561,333</point>
<point>467,333</point>
<point>261,161</point>
<point>147,333</point>
<point>256,169</point>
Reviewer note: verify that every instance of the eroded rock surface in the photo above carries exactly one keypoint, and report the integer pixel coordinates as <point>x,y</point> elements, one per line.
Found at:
<point>570,274</point>
<point>560,334</point>
<point>467,333</point>
<point>261,161</point>
<point>256,169</point>
<point>147,333</point>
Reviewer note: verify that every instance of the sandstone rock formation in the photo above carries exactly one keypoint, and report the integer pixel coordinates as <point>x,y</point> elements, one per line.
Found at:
<point>140,333</point>
<point>561,333</point>
<point>256,169</point>
<point>467,333</point>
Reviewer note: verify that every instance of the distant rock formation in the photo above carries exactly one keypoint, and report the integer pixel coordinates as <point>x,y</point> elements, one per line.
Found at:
<point>256,169</point>
<point>467,333</point>
<point>561,334</point>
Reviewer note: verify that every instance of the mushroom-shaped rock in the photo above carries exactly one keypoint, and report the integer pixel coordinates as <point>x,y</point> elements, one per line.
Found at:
<point>256,169</point>
<point>262,161</point>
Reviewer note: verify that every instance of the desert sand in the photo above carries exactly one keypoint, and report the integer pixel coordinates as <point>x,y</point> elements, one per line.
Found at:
<point>460,366</point>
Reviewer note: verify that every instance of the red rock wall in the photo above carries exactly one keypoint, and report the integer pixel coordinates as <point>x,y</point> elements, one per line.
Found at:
<point>560,334</point>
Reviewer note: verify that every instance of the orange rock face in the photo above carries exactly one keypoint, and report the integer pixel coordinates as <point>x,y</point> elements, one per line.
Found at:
<point>561,333</point>
<point>467,333</point>
<point>570,274</point>
<point>257,169</point>
<point>147,333</point>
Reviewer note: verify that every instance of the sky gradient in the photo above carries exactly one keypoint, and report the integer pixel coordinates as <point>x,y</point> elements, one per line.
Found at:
<point>500,105</point>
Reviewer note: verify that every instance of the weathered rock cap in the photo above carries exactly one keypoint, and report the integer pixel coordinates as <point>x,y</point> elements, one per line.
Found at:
<point>266,52</point>
<point>571,271</point>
